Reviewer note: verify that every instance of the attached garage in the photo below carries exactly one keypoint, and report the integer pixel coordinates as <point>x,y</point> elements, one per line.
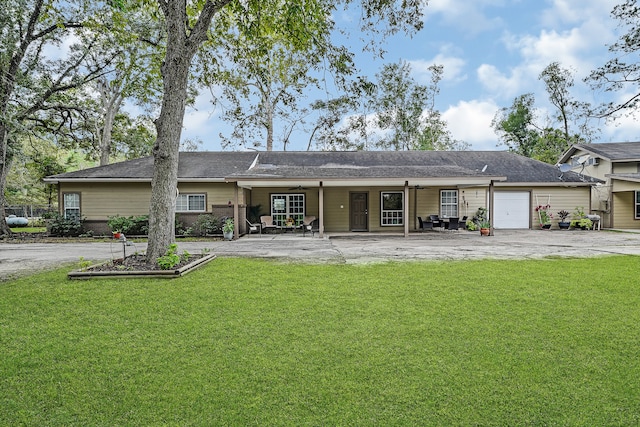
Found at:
<point>512,209</point>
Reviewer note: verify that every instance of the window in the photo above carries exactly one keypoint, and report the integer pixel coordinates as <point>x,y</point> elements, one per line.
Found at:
<point>190,203</point>
<point>392,208</point>
<point>449,203</point>
<point>71,203</point>
<point>284,206</point>
<point>637,204</point>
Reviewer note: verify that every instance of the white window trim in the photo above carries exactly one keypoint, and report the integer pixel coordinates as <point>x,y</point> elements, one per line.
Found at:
<point>188,195</point>
<point>456,204</point>
<point>64,204</point>
<point>393,217</point>
<point>280,217</point>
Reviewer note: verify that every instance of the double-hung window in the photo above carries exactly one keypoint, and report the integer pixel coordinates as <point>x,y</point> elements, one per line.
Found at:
<point>71,203</point>
<point>287,206</point>
<point>637,204</point>
<point>391,208</point>
<point>191,203</point>
<point>449,203</point>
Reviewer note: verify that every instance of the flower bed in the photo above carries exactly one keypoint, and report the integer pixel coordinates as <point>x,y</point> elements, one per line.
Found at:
<point>137,266</point>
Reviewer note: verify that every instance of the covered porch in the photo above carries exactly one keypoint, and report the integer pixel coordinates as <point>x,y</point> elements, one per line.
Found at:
<point>372,205</point>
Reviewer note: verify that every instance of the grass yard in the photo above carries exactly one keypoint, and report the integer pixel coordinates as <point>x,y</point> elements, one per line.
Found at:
<point>251,342</point>
<point>28,229</point>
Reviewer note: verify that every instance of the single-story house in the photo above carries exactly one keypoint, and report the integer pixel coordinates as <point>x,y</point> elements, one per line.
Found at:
<point>362,191</point>
<point>617,198</point>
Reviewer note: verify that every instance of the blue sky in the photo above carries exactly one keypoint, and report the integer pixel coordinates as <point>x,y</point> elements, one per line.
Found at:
<point>492,51</point>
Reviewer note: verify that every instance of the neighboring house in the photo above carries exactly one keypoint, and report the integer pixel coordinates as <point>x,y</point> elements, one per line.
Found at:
<point>617,200</point>
<point>347,191</point>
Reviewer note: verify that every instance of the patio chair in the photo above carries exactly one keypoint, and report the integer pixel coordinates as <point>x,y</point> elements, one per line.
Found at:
<point>437,222</point>
<point>254,228</point>
<point>267,223</point>
<point>307,225</point>
<point>453,224</point>
<point>425,224</point>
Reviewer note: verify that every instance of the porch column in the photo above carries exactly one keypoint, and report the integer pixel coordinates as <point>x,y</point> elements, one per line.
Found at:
<point>491,208</point>
<point>321,210</point>
<point>236,214</point>
<point>406,208</point>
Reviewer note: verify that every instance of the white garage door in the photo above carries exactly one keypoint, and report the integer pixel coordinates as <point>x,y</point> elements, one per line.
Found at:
<point>512,209</point>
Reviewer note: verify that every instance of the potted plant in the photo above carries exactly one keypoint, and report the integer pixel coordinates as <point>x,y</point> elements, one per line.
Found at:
<point>471,225</point>
<point>544,216</point>
<point>227,229</point>
<point>582,223</point>
<point>485,228</point>
<point>563,223</point>
<point>580,220</point>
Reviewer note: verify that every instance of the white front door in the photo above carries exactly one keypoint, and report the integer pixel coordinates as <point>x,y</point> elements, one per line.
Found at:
<point>512,209</point>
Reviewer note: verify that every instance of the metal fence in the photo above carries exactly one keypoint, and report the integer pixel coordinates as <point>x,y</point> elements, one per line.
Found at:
<point>29,211</point>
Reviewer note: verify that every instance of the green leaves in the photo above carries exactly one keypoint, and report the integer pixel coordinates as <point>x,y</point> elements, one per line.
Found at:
<point>621,73</point>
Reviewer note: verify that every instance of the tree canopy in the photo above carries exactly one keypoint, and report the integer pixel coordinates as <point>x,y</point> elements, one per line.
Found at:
<point>393,112</point>
<point>622,72</point>
<point>34,85</point>
<point>303,24</point>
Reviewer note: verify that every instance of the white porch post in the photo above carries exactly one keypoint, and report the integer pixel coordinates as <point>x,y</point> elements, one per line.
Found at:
<point>321,210</point>
<point>406,209</point>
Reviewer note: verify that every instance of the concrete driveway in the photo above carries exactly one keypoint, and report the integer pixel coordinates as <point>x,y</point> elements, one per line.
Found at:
<point>22,258</point>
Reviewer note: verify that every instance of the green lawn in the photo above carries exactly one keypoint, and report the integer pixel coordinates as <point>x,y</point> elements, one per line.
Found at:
<point>28,229</point>
<point>250,342</point>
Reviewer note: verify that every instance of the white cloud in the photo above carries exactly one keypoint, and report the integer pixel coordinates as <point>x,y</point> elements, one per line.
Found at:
<point>575,34</point>
<point>571,12</point>
<point>200,122</point>
<point>624,129</point>
<point>453,67</point>
<point>62,49</point>
<point>465,14</point>
<point>470,121</point>
<point>520,79</point>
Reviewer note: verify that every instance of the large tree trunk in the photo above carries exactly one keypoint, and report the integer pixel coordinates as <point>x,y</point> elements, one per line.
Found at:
<point>5,163</point>
<point>165,153</point>
<point>182,44</point>
<point>112,100</point>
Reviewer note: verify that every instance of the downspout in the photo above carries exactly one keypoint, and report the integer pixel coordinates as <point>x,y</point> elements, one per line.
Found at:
<point>406,208</point>
<point>321,210</point>
<point>415,208</point>
<point>61,202</point>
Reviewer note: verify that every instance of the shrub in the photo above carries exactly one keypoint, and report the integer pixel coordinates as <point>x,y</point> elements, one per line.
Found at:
<point>170,259</point>
<point>207,224</point>
<point>178,226</point>
<point>129,225</point>
<point>60,226</point>
<point>37,222</point>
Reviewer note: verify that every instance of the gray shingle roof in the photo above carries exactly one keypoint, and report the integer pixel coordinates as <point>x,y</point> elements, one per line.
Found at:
<point>614,151</point>
<point>335,164</point>
<point>193,165</point>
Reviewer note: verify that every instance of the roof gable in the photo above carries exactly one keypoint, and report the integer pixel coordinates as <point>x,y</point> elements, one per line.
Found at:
<point>612,151</point>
